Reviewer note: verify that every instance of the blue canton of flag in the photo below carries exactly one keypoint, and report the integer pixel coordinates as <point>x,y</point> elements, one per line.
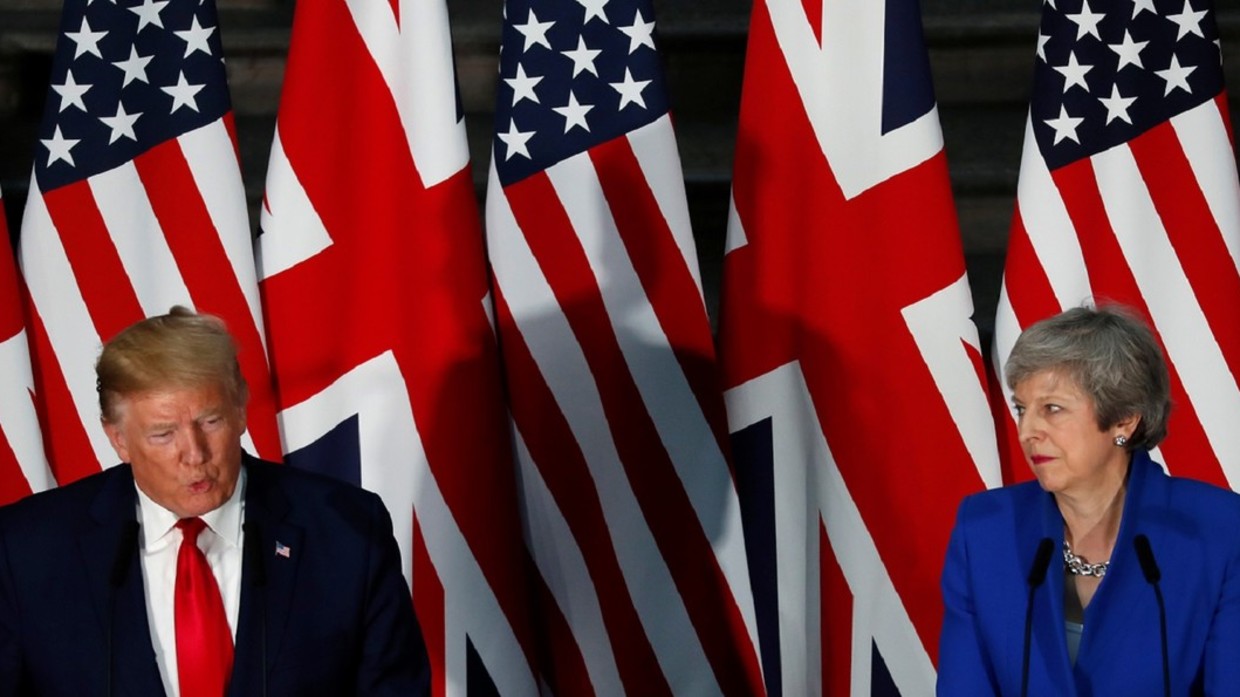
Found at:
<point>140,73</point>
<point>1095,79</point>
<point>570,80</point>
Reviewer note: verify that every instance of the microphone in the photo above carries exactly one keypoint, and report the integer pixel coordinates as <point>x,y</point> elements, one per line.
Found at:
<point>258,581</point>
<point>1037,575</point>
<point>126,547</point>
<point>1149,568</point>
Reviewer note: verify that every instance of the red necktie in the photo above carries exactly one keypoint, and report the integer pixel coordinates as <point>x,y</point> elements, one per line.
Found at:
<point>204,641</point>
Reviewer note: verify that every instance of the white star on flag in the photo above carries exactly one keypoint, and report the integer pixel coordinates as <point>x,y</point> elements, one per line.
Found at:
<point>85,40</point>
<point>183,93</point>
<point>1117,105</point>
<point>594,10</point>
<point>148,13</point>
<point>134,67</point>
<point>58,148</point>
<point>1065,126</point>
<point>121,124</point>
<point>534,31</point>
<point>1073,73</point>
<point>516,140</point>
<point>523,86</point>
<point>1086,22</point>
<point>574,113</point>
<point>196,38</point>
<point>1188,21</point>
<point>1139,6</point>
<point>1176,76</point>
<point>630,90</point>
<point>71,93</point>
<point>1129,51</point>
<point>640,33</point>
<point>583,57</point>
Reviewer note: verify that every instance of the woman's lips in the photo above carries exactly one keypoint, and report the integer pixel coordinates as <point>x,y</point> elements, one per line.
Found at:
<point>1039,459</point>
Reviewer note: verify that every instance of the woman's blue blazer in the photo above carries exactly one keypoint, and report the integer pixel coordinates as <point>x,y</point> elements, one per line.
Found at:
<point>1194,532</point>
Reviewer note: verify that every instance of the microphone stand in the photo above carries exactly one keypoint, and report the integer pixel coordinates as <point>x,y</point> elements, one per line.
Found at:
<point>1149,567</point>
<point>1037,574</point>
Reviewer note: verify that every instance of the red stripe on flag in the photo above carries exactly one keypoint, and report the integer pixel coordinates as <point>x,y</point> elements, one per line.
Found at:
<point>97,269</point>
<point>1029,290</point>
<point>659,492</point>
<point>836,619</point>
<point>813,15</point>
<point>13,484</point>
<point>1194,233</point>
<point>1012,464</point>
<point>194,240</point>
<point>555,452</point>
<point>428,600</point>
<point>11,320</point>
<point>665,278</point>
<point>1187,449</point>
<point>563,664</point>
<point>69,451</point>
<point>230,125</point>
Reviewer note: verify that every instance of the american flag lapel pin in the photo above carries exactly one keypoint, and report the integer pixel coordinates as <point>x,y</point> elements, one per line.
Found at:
<point>283,550</point>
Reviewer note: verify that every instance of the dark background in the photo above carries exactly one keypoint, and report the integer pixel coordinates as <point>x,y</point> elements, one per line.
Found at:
<point>981,53</point>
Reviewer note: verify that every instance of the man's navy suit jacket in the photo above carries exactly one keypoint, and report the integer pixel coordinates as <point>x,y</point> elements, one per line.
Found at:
<point>329,614</point>
<point>1194,532</point>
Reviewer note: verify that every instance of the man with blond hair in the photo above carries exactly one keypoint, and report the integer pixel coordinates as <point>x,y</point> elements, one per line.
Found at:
<point>194,569</point>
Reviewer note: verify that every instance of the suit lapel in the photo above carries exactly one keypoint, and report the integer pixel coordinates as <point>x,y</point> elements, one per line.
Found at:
<point>268,577</point>
<point>120,601</point>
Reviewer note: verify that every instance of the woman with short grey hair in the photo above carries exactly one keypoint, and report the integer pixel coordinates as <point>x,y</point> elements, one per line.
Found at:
<point>1146,600</point>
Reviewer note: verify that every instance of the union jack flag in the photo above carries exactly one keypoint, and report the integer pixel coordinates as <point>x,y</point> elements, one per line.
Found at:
<point>136,204</point>
<point>1128,192</point>
<point>631,511</point>
<point>855,386</point>
<point>23,468</point>
<point>376,304</point>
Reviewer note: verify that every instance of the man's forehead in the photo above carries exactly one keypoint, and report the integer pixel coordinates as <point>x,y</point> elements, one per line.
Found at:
<point>191,399</point>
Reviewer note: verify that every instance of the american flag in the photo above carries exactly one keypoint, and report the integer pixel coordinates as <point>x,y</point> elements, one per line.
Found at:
<point>136,204</point>
<point>854,377</point>
<point>631,511</point>
<point>23,468</point>
<point>1128,192</point>
<point>376,303</point>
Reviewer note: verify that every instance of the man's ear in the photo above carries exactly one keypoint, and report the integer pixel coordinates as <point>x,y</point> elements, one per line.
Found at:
<point>117,438</point>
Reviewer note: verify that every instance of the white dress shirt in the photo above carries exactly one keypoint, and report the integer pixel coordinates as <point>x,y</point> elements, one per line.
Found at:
<point>220,541</point>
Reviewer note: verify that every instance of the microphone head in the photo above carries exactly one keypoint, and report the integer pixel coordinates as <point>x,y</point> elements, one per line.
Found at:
<point>1145,555</point>
<point>1041,561</point>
